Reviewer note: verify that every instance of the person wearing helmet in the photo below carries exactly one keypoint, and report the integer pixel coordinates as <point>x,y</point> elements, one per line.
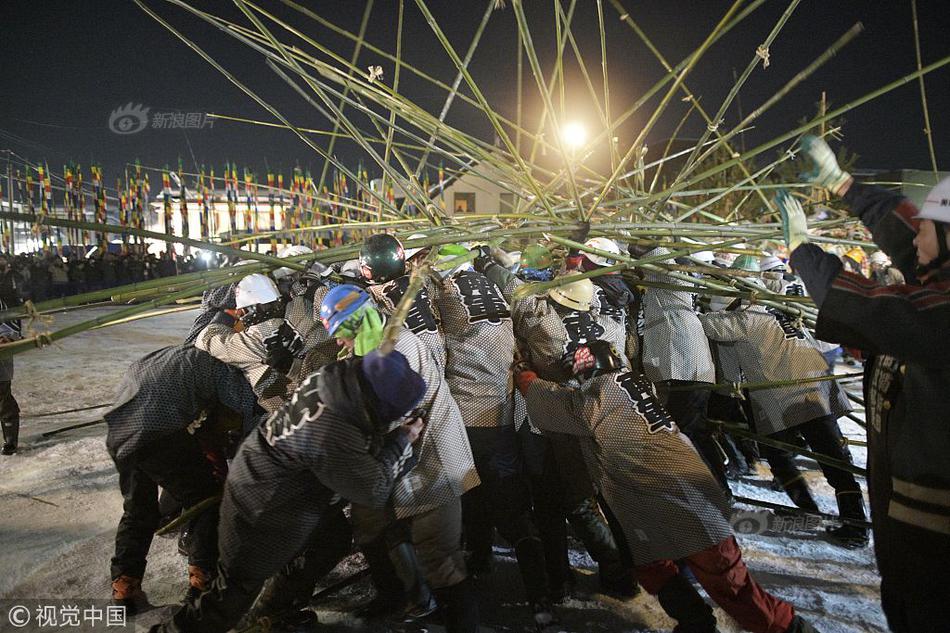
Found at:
<point>176,417</point>
<point>347,432</point>
<point>536,263</point>
<point>480,348</point>
<point>262,338</point>
<point>669,506</point>
<point>904,328</point>
<point>856,260</point>
<point>676,354</point>
<point>613,297</point>
<point>756,344</point>
<point>547,327</point>
<point>416,253</point>
<point>213,301</point>
<point>382,263</point>
<point>286,276</point>
<point>882,272</point>
<point>425,512</point>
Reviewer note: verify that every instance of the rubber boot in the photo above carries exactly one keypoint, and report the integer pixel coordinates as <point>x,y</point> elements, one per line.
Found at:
<point>419,599</point>
<point>127,592</point>
<point>534,574</point>
<point>591,527</point>
<point>11,433</point>
<point>390,596</point>
<point>683,603</point>
<point>797,490</point>
<point>461,607</point>
<point>799,625</point>
<point>850,536</point>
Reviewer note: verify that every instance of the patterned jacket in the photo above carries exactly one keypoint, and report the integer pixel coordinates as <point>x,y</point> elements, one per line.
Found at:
<point>213,300</point>
<point>480,347</point>
<point>247,350</point>
<point>11,330</point>
<point>166,390</point>
<point>548,331</point>
<point>323,442</point>
<point>910,323</point>
<point>766,348</point>
<point>613,299</point>
<point>666,500</point>
<point>446,468</point>
<point>674,345</point>
<point>423,318</point>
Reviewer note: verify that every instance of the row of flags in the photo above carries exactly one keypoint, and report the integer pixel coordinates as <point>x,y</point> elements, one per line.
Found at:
<point>251,204</point>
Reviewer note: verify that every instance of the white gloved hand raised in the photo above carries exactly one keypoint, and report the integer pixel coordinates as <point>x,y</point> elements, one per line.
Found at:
<point>825,170</point>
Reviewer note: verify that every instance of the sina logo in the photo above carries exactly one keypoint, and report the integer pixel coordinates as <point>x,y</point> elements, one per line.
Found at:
<point>128,119</point>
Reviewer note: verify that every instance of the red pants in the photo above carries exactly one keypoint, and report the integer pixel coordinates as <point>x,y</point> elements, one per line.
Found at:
<point>721,572</point>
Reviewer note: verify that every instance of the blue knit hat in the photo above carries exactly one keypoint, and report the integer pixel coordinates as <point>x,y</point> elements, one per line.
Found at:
<point>397,387</point>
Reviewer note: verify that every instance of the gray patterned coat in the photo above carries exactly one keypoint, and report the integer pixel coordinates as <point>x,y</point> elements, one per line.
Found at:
<point>247,351</point>
<point>322,443</point>
<point>213,300</point>
<point>423,318</point>
<point>546,329</point>
<point>446,468</point>
<point>166,390</point>
<point>764,349</point>
<point>666,500</point>
<point>674,345</point>
<point>480,347</point>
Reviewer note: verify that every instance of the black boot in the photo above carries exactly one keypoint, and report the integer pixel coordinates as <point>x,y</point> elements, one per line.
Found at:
<point>11,433</point>
<point>390,596</point>
<point>849,535</point>
<point>798,492</point>
<point>683,603</point>
<point>533,568</point>
<point>799,625</point>
<point>419,599</point>
<point>591,527</point>
<point>461,607</point>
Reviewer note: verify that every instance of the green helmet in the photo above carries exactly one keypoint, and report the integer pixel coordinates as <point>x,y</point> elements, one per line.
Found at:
<point>382,258</point>
<point>536,256</point>
<point>748,263</point>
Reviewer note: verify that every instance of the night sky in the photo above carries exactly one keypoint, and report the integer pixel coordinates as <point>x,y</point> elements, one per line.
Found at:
<point>67,65</point>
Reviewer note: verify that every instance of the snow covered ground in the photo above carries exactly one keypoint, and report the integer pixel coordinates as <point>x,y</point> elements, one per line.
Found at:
<point>60,506</point>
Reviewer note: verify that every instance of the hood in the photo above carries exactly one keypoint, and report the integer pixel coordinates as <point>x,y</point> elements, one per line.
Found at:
<point>342,388</point>
<point>617,291</point>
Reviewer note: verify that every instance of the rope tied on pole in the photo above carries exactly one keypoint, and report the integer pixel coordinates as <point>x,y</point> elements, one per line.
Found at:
<point>762,52</point>
<point>35,317</point>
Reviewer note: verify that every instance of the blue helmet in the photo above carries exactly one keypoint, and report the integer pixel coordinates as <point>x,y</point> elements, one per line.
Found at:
<point>340,304</point>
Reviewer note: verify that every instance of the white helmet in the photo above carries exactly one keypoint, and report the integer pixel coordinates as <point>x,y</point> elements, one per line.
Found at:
<point>704,257</point>
<point>878,257</point>
<point>602,244</point>
<point>290,251</point>
<point>255,289</point>
<point>770,262</point>
<point>411,252</point>
<point>576,295</point>
<point>351,269</point>
<point>936,206</point>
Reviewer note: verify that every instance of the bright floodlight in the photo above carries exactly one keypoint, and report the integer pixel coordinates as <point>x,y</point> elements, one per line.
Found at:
<point>574,134</point>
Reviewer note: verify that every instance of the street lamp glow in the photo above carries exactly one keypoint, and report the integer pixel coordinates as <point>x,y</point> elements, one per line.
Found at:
<point>574,134</point>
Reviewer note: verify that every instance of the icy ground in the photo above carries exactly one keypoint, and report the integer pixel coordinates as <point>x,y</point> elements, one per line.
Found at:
<point>60,505</point>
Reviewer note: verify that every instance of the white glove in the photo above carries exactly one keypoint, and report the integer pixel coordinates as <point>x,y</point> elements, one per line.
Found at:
<point>794,224</point>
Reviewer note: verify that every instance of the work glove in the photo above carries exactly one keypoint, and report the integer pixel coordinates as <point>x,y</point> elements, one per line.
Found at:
<point>483,259</point>
<point>794,224</point>
<point>825,170</point>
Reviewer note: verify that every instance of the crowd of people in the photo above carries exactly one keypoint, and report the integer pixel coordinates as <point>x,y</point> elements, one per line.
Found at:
<point>46,274</point>
<point>590,405</point>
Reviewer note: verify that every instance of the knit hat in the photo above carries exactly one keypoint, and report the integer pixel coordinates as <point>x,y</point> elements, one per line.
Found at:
<point>397,387</point>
